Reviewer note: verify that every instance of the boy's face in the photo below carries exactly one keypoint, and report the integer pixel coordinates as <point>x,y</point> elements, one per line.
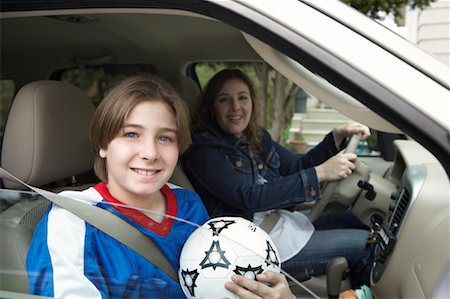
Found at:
<point>143,156</point>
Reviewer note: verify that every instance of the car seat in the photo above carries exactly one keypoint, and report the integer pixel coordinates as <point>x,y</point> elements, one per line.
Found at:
<point>46,140</point>
<point>188,89</point>
<point>47,134</point>
<point>190,93</point>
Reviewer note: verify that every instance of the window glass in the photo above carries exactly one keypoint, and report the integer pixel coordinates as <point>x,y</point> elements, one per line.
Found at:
<point>295,118</point>
<point>96,81</point>
<point>7,89</point>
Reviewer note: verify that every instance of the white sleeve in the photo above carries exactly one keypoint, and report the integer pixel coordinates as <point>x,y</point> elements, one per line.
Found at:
<point>66,243</point>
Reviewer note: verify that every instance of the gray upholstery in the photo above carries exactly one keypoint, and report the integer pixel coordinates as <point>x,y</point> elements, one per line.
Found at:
<point>46,139</point>
<point>46,135</point>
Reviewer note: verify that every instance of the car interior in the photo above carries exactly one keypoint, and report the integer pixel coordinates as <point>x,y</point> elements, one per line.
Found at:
<point>402,194</point>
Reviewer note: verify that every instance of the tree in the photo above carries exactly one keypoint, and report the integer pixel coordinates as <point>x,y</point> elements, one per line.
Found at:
<point>372,8</point>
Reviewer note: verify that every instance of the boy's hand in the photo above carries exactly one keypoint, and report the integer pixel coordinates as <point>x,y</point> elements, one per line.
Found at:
<point>268,285</point>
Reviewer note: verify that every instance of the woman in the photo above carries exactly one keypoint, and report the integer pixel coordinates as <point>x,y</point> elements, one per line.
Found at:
<point>238,169</point>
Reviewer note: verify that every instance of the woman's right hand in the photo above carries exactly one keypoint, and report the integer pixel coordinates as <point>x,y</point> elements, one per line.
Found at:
<point>337,167</point>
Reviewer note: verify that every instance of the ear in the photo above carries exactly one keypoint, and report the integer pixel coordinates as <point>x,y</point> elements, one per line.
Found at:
<point>102,153</point>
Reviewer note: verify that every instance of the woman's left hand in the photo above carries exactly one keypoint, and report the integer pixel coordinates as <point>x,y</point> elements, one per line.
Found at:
<point>349,129</point>
<point>268,285</point>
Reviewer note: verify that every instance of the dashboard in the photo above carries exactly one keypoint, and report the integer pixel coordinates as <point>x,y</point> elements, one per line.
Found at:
<point>412,253</point>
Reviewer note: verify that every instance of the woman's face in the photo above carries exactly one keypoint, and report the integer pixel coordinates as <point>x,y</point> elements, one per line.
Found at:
<point>233,107</point>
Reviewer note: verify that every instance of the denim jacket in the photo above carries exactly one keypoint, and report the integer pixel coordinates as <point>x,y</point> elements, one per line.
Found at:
<point>232,181</point>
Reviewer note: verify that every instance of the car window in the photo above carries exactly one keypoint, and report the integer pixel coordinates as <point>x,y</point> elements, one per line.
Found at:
<point>304,119</point>
<point>96,81</point>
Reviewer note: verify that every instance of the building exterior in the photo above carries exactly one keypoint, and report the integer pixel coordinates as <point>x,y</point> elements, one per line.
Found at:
<point>430,29</point>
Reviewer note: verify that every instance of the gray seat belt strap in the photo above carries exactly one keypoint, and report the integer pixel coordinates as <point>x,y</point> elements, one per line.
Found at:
<point>110,224</point>
<point>269,221</point>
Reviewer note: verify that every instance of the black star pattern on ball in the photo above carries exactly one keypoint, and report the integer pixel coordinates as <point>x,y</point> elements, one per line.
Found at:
<point>245,270</point>
<point>215,257</point>
<point>218,225</point>
<point>189,278</point>
<point>271,257</point>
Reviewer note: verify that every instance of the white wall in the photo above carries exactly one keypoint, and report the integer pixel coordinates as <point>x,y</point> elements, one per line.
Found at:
<point>430,29</point>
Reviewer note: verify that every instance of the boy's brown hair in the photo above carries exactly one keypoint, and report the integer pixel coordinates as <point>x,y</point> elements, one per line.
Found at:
<point>112,112</point>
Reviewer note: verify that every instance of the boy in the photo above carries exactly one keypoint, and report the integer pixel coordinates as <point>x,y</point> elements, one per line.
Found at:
<point>138,132</point>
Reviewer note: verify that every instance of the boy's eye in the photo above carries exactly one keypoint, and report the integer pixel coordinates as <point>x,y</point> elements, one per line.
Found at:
<point>131,135</point>
<point>166,138</point>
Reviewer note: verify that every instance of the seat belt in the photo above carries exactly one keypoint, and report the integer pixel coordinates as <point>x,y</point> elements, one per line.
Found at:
<point>109,223</point>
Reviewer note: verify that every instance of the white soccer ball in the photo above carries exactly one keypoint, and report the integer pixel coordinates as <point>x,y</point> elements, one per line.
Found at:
<point>220,248</point>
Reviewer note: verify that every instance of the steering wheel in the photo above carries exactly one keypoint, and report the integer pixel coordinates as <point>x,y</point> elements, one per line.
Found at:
<point>343,191</point>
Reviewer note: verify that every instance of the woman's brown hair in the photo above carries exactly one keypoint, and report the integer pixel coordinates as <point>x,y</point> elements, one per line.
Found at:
<point>112,112</point>
<point>204,108</point>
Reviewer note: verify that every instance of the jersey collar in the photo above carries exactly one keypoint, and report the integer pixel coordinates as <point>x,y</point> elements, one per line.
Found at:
<point>162,228</point>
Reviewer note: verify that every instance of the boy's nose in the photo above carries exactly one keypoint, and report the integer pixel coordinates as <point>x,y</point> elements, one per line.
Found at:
<point>149,151</point>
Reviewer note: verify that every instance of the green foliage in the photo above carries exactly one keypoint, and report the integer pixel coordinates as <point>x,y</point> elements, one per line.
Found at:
<point>299,136</point>
<point>96,81</point>
<point>372,8</point>
<point>205,71</point>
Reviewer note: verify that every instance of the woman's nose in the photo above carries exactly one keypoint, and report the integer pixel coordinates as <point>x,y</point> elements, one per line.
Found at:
<point>235,104</point>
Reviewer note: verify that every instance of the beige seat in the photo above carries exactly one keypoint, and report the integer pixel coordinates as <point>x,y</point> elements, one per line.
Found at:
<point>46,139</point>
<point>47,133</point>
<point>188,89</point>
<point>189,92</point>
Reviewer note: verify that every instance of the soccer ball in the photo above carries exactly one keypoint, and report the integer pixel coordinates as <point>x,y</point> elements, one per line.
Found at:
<point>220,248</point>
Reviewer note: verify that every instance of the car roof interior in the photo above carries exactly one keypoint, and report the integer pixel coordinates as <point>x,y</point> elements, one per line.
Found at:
<point>101,38</point>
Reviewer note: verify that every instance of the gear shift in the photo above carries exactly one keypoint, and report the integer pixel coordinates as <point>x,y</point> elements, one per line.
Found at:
<point>336,269</point>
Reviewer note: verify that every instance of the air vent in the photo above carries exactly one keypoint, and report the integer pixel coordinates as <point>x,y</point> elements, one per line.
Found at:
<point>402,203</point>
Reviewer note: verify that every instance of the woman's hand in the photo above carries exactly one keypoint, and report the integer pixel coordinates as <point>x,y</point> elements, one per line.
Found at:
<point>268,285</point>
<point>349,129</point>
<point>337,167</point>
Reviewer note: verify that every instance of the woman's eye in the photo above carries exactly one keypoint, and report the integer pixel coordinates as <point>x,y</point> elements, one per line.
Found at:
<point>243,98</point>
<point>221,100</point>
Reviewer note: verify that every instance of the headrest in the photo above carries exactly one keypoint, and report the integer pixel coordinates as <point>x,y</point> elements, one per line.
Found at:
<point>47,133</point>
<point>187,88</point>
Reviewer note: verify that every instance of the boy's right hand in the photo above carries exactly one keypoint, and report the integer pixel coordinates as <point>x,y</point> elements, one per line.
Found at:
<point>268,285</point>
